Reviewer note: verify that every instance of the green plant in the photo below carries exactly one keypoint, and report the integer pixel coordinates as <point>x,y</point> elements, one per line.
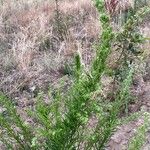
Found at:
<point>64,122</point>
<point>120,14</point>
<point>128,41</point>
<point>140,3</point>
<point>15,129</point>
<point>140,136</point>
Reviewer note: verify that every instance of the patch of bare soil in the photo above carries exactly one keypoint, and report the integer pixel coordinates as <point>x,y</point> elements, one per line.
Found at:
<point>123,134</point>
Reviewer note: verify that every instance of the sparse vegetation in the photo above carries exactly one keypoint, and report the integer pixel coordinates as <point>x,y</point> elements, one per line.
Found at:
<point>75,110</point>
<point>140,138</point>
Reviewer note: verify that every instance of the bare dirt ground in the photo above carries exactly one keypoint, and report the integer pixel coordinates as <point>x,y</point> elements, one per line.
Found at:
<point>121,138</point>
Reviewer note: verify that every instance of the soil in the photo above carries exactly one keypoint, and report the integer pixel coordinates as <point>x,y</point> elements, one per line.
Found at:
<point>121,138</point>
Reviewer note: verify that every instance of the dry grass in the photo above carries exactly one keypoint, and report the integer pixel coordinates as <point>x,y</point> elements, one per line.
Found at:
<point>30,43</point>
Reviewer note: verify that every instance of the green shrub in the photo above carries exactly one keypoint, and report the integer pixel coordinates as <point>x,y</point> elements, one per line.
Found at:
<point>64,122</point>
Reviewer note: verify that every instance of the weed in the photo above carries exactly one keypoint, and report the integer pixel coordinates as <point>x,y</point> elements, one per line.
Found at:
<point>64,122</point>
<point>128,41</point>
<point>140,136</point>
